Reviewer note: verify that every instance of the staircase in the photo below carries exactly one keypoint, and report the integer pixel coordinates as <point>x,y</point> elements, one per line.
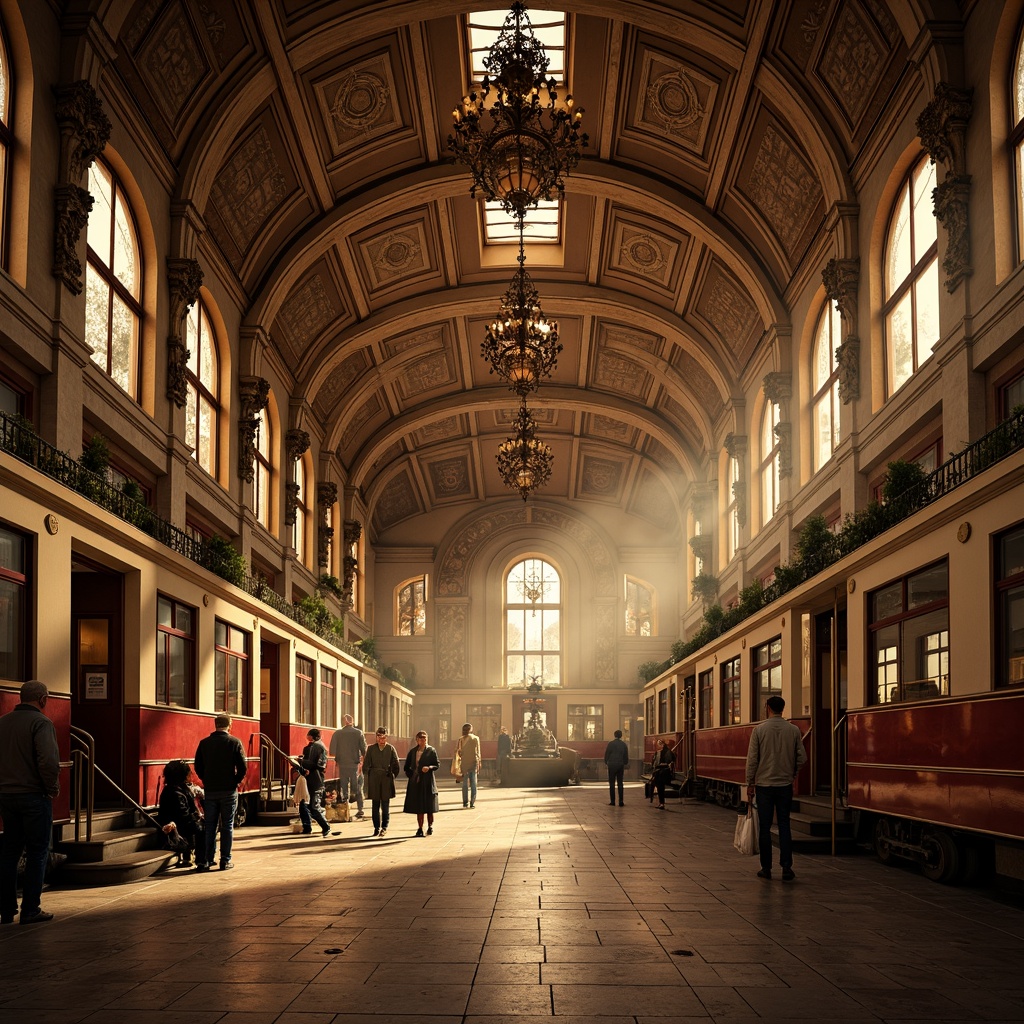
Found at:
<point>120,850</point>
<point>811,822</point>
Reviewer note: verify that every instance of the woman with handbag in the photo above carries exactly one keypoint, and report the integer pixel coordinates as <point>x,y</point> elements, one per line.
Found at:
<point>421,793</point>
<point>178,814</point>
<point>380,766</point>
<point>661,772</point>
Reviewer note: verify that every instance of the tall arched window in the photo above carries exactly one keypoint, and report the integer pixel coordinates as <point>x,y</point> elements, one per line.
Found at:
<point>733,509</point>
<point>203,377</point>
<point>1017,140</point>
<point>533,624</point>
<point>825,381</point>
<point>411,607</point>
<point>6,141</point>
<point>262,477</point>
<point>113,281</point>
<point>301,528</point>
<point>769,462</point>
<point>639,608</point>
<point>911,278</point>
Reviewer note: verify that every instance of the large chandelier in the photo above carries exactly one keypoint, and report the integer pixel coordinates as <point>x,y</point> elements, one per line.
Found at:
<point>524,462</point>
<point>521,345</point>
<point>516,145</point>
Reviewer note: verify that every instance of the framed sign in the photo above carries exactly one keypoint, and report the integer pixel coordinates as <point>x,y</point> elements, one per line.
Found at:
<point>94,684</point>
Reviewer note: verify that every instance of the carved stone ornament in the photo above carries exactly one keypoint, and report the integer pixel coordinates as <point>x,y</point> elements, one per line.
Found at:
<point>942,127</point>
<point>848,360</point>
<point>73,205</point>
<point>296,443</point>
<point>784,432</point>
<point>735,445</point>
<point>253,395</point>
<point>841,278</point>
<point>84,129</point>
<point>291,503</point>
<point>778,387</point>
<point>353,531</point>
<point>326,496</point>
<point>739,493</point>
<point>184,279</point>
<point>950,201</point>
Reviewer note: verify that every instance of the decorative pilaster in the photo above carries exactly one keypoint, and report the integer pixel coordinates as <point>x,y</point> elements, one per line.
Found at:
<point>296,444</point>
<point>253,394</point>
<point>841,279</point>
<point>184,279</point>
<point>84,130</point>
<point>353,531</point>
<point>778,388</point>
<point>942,128</point>
<point>736,448</point>
<point>784,432</point>
<point>326,496</point>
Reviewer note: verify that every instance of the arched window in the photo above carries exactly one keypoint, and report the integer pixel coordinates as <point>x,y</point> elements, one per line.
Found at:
<point>911,278</point>
<point>533,624</point>
<point>113,281</point>
<point>733,509</point>
<point>825,382</point>
<point>411,607</point>
<point>261,479</point>
<point>300,530</point>
<point>6,140</point>
<point>639,608</point>
<point>202,374</point>
<point>1017,140</point>
<point>769,462</point>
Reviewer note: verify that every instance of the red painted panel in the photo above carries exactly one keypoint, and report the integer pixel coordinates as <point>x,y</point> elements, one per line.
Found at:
<point>722,753</point>
<point>955,762</point>
<point>58,710</point>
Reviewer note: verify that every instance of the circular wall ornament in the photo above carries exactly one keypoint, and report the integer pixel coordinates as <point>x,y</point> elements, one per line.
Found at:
<point>963,532</point>
<point>851,586</point>
<point>52,524</point>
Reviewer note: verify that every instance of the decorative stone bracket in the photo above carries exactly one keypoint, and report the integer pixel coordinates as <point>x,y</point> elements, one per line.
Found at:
<point>326,496</point>
<point>736,447</point>
<point>84,130</point>
<point>942,128</point>
<point>184,279</point>
<point>353,531</point>
<point>253,394</point>
<point>841,279</point>
<point>296,444</point>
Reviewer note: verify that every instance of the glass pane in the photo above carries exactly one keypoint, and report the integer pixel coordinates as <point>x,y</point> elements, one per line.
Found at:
<point>899,342</point>
<point>887,602</point>
<point>206,436</point>
<point>515,669</point>
<point>897,253</point>
<point>207,364</point>
<point>822,431</point>
<point>12,554</point>
<point>220,632</point>
<point>925,224</point>
<point>835,415</point>
<point>97,308</point>
<point>122,346</point>
<point>183,619</point>
<point>163,612</point>
<point>178,670</point>
<point>126,253</point>
<point>884,650</point>
<point>4,91</point>
<point>822,353</point>
<point>1013,637</point>
<point>928,586</point>
<point>515,631</point>
<point>12,637</point>
<point>533,636</point>
<point>220,682</point>
<point>192,340</point>
<point>100,216</point>
<point>925,656</point>
<point>1011,554</point>
<point>1018,84</point>
<point>191,420</point>
<point>927,301</point>
<point>551,619</point>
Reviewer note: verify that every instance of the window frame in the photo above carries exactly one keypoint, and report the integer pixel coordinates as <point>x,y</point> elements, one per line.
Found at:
<point>1008,586</point>
<point>579,719</point>
<point>634,605</point>
<point>531,656</point>
<point>225,654</point>
<point>328,697</point>
<point>762,670</point>
<point>198,391</point>
<point>6,145</point>
<point>769,469</point>
<point>828,330</point>
<point>169,633</point>
<point>416,616</point>
<point>305,690</point>
<point>19,582</point>
<point>731,683</point>
<point>706,704</point>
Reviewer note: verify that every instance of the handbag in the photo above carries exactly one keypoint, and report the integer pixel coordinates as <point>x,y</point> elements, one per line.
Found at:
<point>648,790</point>
<point>746,838</point>
<point>457,763</point>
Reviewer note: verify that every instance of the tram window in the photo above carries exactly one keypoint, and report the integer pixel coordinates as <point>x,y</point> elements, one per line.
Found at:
<point>175,653</point>
<point>707,699</point>
<point>304,689</point>
<point>586,722</point>
<point>649,716</point>
<point>231,669</point>
<point>1010,608</point>
<point>910,636</point>
<point>731,692</point>
<point>14,637</point>
<point>767,674</point>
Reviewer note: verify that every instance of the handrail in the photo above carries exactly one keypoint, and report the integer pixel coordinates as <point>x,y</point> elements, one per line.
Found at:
<point>84,761</point>
<point>267,749</point>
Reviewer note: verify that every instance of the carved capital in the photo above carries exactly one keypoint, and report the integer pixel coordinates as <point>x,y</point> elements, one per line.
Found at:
<point>942,126</point>
<point>253,394</point>
<point>73,204</point>
<point>326,495</point>
<point>353,531</point>
<point>296,443</point>
<point>735,445</point>
<point>323,545</point>
<point>291,503</point>
<point>184,278</point>
<point>247,449</point>
<point>841,279</point>
<point>84,129</point>
<point>784,432</point>
<point>848,360</point>
<point>951,203</point>
<point>778,387</point>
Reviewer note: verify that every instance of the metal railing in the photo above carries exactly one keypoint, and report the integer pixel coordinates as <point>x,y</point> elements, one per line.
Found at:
<point>268,748</point>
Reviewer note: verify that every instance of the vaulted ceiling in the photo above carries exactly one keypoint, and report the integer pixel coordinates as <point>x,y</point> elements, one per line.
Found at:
<point>310,139</point>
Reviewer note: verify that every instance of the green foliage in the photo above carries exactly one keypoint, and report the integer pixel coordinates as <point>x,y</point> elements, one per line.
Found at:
<point>368,645</point>
<point>330,584</point>
<point>816,543</point>
<point>704,587</point>
<point>903,492</point>
<point>220,557</point>
<point>394,675</point>
<point>95,457</point>
<point>751,598</point>
<point>861,526</point>
<point>648,670</point>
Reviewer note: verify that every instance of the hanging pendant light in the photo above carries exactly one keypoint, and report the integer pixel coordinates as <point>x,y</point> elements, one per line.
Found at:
<point>524,462</point>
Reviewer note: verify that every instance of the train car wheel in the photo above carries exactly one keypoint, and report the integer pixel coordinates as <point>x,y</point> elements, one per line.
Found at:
<point>883,839</point>
<point>943,861</point>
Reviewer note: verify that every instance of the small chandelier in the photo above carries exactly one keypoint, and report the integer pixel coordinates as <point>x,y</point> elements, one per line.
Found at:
<point>521,345</point>
<point>524,463</point>
<point>521,155</point>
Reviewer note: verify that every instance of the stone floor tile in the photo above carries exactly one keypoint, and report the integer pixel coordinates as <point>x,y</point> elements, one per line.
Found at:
<point>651,1000</point>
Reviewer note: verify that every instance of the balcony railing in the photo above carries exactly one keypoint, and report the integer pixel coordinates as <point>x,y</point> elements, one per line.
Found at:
<point>17,438</point>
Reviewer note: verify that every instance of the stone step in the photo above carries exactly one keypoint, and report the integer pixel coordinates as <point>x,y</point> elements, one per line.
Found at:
<point>111,845</point>
<point>131,867</point>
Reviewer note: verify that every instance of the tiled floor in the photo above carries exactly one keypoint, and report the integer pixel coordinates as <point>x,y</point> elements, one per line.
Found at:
<point>537,903</point>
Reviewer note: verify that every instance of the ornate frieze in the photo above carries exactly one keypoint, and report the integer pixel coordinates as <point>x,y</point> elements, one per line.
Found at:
<point>184,279</point>
<point>84,130</point>
<point>253,395</point>
<point>942,127</point>
<point>451,643</point>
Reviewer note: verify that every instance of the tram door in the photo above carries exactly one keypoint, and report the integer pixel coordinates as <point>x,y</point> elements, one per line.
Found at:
<point>822,715</point>
<point>97,651</point>
<point>270,690</point>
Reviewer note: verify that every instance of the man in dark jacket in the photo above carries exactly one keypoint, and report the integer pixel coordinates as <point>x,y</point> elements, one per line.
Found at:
<point>29,769</point>
<point>313,764</point>
<point>220,763</point>
<point>616,757</point>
